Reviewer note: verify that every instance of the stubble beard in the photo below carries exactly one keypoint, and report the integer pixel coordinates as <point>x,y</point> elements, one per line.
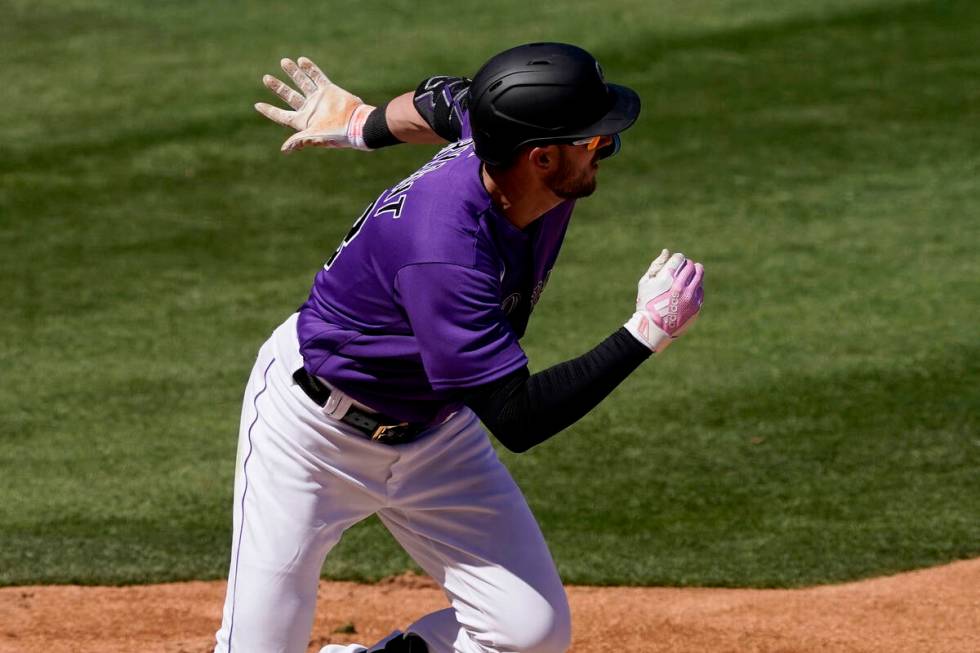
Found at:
<point>568,184</point>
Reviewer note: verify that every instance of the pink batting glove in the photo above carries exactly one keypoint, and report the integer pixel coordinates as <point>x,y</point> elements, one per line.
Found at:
<point>668,300</point>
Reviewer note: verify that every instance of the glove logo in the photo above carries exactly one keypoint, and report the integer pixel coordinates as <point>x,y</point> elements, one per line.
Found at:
<point>671,319</point>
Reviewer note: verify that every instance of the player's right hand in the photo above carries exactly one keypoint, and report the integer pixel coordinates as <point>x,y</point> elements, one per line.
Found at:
<point>324,115</point>
<point>668,300</point>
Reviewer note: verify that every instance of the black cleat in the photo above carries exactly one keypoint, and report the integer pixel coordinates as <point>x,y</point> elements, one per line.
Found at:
<point>406,644</point>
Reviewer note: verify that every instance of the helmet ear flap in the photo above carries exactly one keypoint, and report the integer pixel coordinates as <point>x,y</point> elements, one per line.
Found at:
<point>612,149</point>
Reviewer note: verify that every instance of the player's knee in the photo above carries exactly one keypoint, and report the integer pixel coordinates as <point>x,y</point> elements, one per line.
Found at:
<point>548,629</point>
<point>555,638</point>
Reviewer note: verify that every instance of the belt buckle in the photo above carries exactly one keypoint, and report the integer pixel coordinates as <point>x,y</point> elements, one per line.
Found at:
<point>381,433</point>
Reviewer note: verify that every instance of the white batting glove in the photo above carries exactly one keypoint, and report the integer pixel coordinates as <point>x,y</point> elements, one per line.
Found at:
<point>669,297</point>
<point>324,115</point>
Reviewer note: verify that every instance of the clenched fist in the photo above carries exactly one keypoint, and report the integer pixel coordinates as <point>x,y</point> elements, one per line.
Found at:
<point>669,297</point>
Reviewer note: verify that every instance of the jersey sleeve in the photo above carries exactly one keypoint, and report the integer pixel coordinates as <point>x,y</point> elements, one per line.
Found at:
<point>443,103</point>
<point>463,335</point>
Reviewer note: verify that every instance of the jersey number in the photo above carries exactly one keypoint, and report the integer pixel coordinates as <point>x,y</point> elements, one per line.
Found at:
<point>351,235</point>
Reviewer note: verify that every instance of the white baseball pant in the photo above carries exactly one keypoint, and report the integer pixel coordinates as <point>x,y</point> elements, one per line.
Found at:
<point>302,478</point>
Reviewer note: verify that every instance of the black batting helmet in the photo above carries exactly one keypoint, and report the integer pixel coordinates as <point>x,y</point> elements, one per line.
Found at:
<point>544,93</point>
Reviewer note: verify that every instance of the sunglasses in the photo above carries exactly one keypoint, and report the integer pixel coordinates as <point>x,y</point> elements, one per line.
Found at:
<point>594,142</point>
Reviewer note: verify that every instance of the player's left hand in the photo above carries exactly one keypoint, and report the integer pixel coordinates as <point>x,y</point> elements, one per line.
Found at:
<point>324,115</point>
<point>668,300</point>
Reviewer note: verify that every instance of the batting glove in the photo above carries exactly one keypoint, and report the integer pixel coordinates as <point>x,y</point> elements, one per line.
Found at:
<point>324,114</point>
<point>668,300</point>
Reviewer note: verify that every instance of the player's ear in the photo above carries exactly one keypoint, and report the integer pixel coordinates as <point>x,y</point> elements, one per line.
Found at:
<point>544,157</point>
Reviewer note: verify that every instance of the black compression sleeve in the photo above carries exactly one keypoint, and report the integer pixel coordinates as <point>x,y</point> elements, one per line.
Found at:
<point>523,410</point>
<point>376,132</point>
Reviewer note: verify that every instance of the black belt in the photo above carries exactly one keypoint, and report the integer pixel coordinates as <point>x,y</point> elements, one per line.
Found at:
<point>374,426</point>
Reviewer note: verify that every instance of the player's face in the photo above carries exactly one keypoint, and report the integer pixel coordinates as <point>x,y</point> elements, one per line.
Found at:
<point>575,175</point>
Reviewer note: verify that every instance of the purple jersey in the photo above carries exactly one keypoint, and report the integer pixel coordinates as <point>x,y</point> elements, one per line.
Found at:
<point>429,293</point>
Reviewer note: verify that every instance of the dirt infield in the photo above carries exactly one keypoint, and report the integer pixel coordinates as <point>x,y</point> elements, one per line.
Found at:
<point>933,610</point>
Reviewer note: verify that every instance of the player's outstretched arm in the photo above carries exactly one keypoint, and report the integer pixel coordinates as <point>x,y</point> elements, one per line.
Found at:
<point>325,115</point>
<point>523,410</point>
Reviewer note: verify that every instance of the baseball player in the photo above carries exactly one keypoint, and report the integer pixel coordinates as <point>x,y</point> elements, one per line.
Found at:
<point>369,399</point>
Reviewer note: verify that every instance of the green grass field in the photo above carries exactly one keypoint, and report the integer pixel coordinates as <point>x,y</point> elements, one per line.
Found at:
<point>822,158</point>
